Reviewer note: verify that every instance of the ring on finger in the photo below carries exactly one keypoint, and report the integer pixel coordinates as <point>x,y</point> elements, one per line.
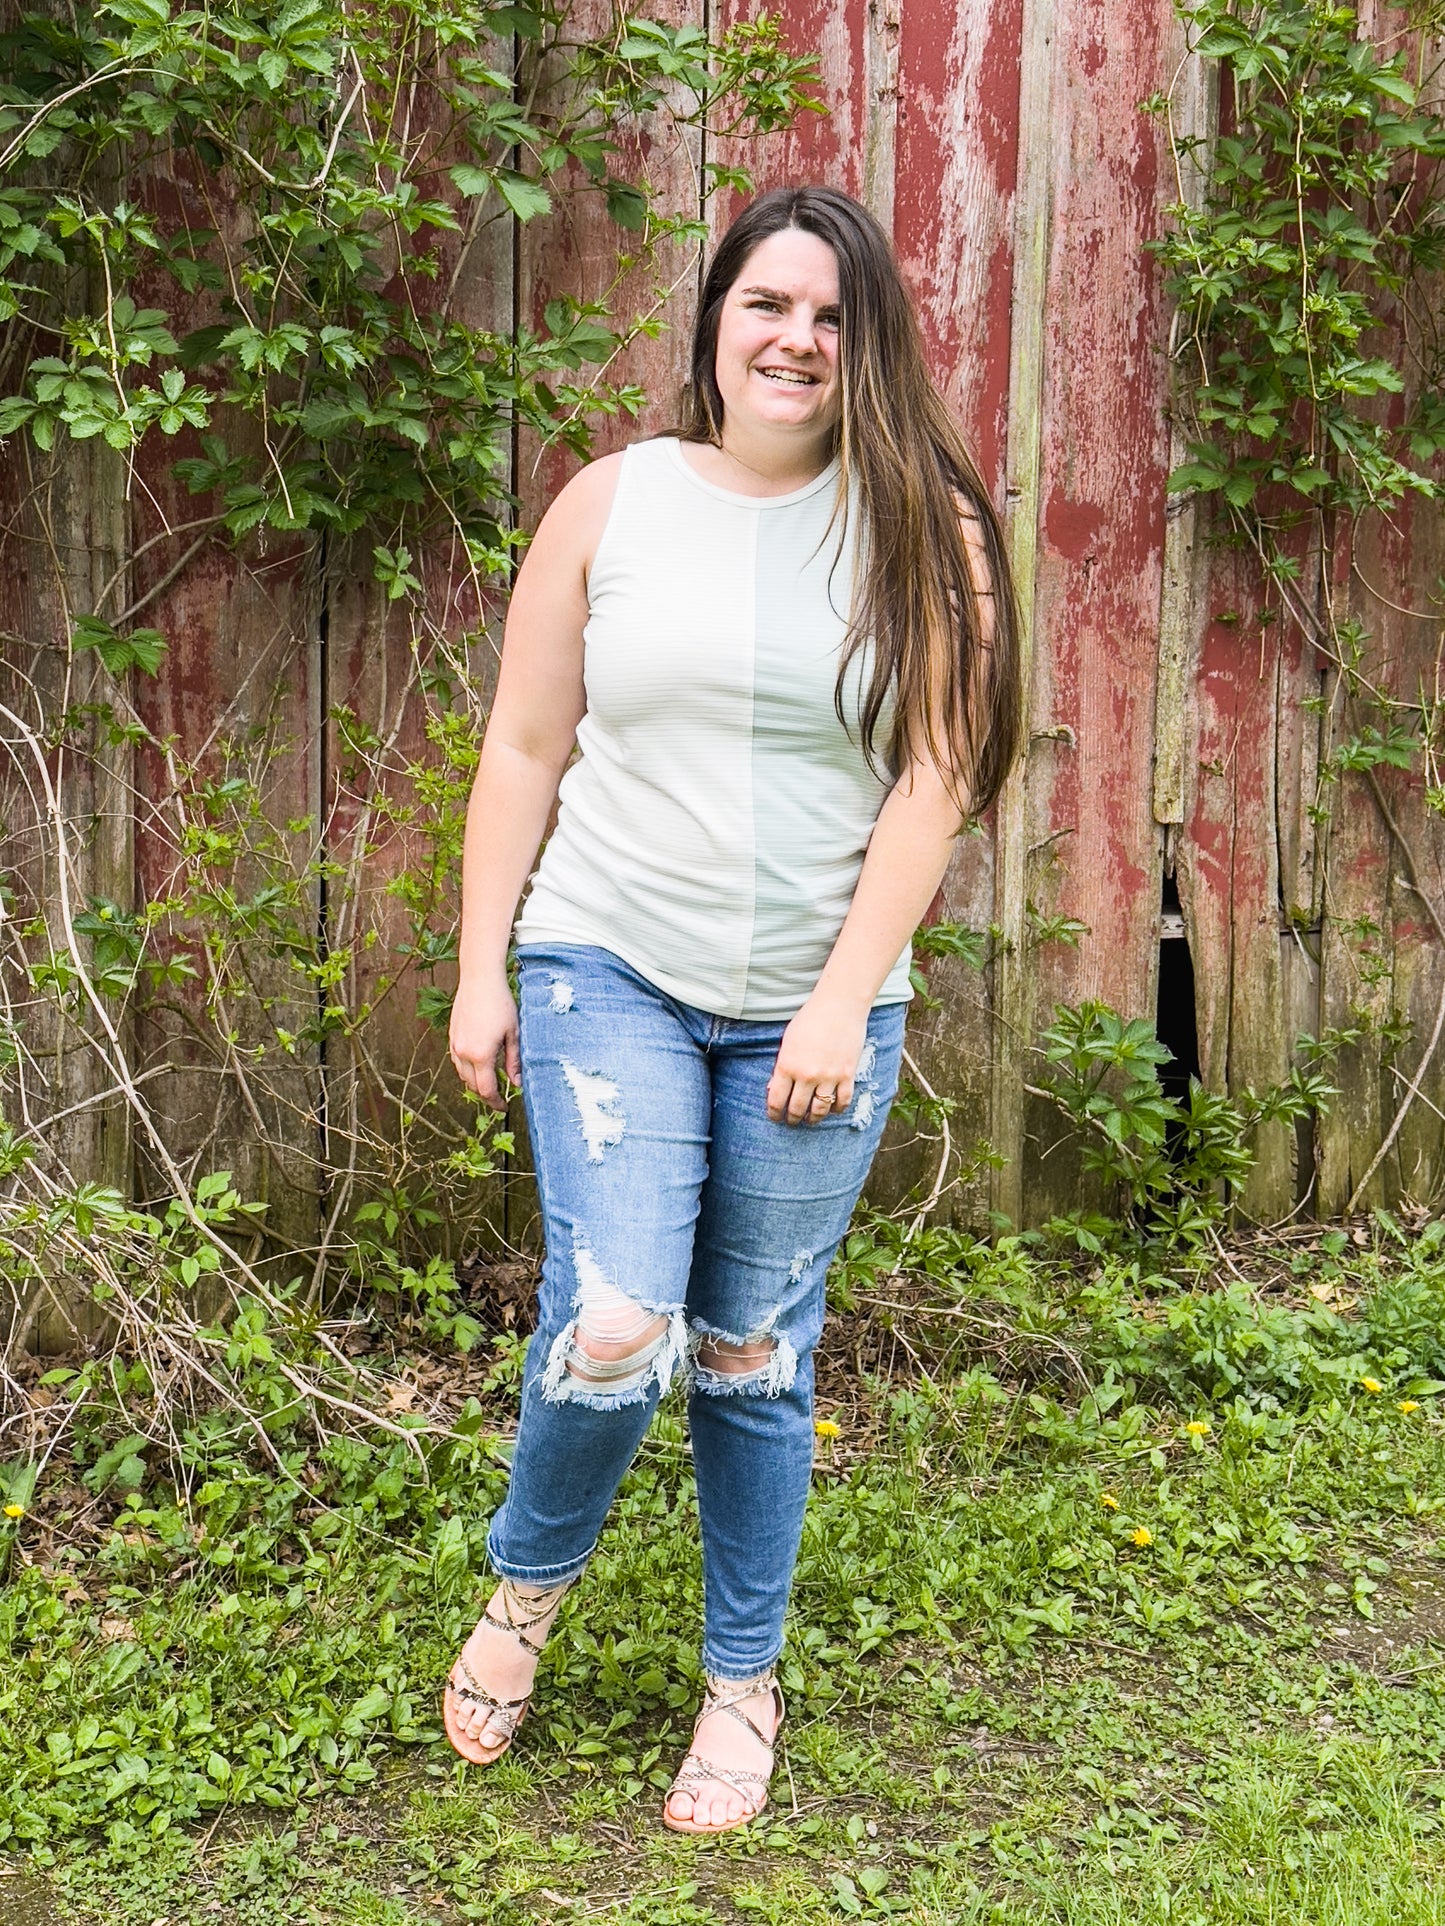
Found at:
<point>825,1097</point>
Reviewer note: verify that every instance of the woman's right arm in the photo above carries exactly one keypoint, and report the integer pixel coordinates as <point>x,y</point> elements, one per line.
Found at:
<point>529,736</point>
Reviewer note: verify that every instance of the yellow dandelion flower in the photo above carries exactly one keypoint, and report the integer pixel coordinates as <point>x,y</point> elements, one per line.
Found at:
<point>1372,1384</point>
<point>1407,1405</point>
<point>1197,1428</point>
<point>1141,1536</point>
<point>15,1511</point>
<point>1109,1501</point>
<point>826,1428</point>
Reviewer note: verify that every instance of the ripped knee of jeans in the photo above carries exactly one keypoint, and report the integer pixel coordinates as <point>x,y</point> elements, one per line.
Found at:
<point>763,1364</point>
<point>615,1348</point>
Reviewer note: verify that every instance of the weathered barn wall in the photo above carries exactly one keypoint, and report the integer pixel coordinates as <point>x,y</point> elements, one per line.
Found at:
<point>1003,143</point>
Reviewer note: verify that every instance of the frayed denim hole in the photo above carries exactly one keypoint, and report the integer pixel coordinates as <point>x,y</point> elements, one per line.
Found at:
<point>607,1315</point>
<point>598,1109</point>
<point>773,1375</point>
<point>562,997</point>
<point>865,1098</point>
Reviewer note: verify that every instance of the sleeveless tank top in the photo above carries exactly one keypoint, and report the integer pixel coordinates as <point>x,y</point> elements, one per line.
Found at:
<point>712,830</point>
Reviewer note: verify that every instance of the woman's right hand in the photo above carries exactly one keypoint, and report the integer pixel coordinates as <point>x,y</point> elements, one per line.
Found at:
<point>483,1028</point>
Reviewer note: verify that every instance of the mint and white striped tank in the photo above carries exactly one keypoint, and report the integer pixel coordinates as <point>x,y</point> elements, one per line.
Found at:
<point>712,830</point>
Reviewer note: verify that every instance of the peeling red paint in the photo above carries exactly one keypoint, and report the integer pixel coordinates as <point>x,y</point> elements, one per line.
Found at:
<point>1075,529</point>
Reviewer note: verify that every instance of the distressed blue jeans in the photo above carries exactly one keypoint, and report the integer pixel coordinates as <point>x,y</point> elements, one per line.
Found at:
<point>678,1219</point>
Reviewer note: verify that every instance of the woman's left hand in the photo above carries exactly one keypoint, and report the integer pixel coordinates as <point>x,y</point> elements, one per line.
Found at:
<point>817,1061</point>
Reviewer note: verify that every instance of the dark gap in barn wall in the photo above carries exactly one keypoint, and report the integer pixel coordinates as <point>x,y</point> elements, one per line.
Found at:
<point>1174,1015</point>
<point>1175,1022</point>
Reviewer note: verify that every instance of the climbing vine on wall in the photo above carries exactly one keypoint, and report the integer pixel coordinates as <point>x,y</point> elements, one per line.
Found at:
<point>225,218</point>
<point>1305,255</point>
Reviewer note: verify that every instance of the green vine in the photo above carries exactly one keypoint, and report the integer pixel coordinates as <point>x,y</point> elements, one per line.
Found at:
<point>1304,258</point>
<point>1296,264</point>
<point>257,200</point>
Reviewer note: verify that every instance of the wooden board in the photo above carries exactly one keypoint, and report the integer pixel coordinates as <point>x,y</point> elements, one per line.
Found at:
<point>1091,849</point>
<point>236,700</point>
<point>64,838</point>
<point>1229,881</point>
<point>953,204</point>
<point>395,1107</point>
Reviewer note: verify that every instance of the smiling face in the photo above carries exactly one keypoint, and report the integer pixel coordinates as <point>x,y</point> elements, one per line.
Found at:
<point>777,339</point>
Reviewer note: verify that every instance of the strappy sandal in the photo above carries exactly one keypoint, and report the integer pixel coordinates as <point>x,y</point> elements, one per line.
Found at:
<point>725,1695</point>
<point>519,1615</point>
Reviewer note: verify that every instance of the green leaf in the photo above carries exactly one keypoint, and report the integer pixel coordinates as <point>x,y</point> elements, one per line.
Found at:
<point>471,181</point>
<point>15,411</point>
<point>140,649</point>
<point>627,205</point>
<point>1395,86</point>
<point>526,198</point>
<point>371,1705</point>
<point>1195,474</point>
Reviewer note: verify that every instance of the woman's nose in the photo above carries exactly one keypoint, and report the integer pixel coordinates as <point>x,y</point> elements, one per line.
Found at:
<point>798,333</point>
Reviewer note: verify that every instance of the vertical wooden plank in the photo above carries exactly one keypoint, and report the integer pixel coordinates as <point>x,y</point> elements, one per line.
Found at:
<point>235,699</point>
<point>856,43</point>
<point>1300,680</point>
<point>394,1106</point>
<point>1193,130</point>
<point>1033,224</point>
<point>953,227</point>
<point>1382,966</point>
<point>1229,881</point>
<point>1383,963</point>
<point>881,70</point>
<point>49,794</point>
<point>1081,840</point>
<point>576,249</point>
<point>1410,548</point>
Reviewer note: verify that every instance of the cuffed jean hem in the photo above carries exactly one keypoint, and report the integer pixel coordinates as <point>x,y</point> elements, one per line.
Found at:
<point>733,1673</point>
<point>537,1574</point>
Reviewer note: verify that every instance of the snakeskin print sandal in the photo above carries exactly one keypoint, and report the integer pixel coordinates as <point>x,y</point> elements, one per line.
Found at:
<point>519,1614</point>
<point>724,1695</point>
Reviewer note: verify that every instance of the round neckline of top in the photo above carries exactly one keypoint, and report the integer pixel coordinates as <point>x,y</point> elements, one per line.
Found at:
<point>674,444</point>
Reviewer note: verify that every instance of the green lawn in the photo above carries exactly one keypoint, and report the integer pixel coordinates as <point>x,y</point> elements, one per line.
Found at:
<point>1056,1657</point>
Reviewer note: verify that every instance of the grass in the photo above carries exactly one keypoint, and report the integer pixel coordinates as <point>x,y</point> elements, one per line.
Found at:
<point>1056,1656</point>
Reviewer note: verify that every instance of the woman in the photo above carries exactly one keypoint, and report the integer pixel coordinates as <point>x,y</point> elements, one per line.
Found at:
<point>784,641</point>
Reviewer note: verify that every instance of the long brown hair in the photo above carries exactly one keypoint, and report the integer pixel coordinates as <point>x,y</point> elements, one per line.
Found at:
<point>957,697</point>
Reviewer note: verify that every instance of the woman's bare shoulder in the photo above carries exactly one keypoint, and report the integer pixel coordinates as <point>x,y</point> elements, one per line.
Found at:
<point>597,479</point>
<point>569,532</point>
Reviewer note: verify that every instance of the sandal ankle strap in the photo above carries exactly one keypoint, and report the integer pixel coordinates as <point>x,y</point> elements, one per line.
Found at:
<point>730,1695</point>
<point>520,1612</point>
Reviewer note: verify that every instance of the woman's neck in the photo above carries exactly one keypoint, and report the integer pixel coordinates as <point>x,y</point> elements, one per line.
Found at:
<point>764,463</point>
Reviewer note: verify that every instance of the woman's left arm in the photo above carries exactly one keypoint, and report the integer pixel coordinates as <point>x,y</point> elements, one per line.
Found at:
<point>907,855</point>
